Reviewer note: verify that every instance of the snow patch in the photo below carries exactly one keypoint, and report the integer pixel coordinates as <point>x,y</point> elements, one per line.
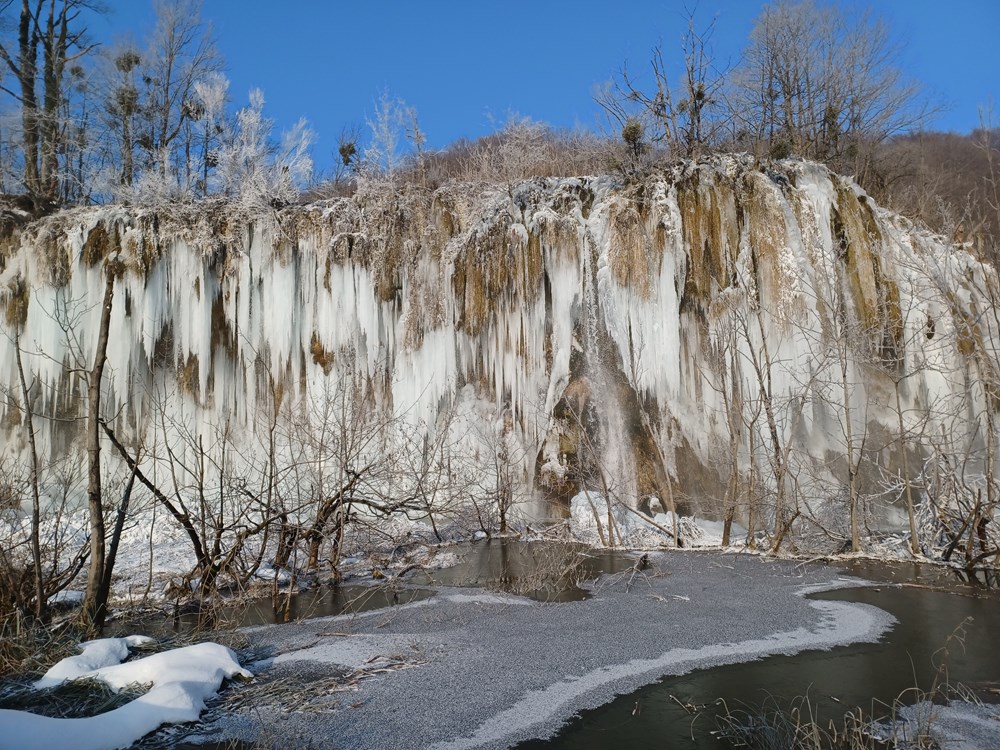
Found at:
<point>96,655</point>
<point>182,680</point>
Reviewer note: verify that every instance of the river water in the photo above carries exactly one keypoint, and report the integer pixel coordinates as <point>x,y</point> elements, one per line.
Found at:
<point>946,632</point>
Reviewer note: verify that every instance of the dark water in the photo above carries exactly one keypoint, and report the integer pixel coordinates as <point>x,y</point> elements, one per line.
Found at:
<point>321,602</point>
<point>542,570</point>
<point>545,571</point>
<point>324,601</point>
<point>871,676</point>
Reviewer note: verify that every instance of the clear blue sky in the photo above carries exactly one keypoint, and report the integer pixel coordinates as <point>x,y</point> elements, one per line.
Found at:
<point>463,62</point>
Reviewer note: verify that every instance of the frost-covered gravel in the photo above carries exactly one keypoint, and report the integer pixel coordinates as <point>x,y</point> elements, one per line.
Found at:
<point>501,669</point>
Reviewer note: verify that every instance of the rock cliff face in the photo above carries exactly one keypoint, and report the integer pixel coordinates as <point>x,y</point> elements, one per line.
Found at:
<point>728,337</point>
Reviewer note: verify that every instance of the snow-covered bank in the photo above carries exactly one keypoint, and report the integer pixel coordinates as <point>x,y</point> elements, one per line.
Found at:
<point>959,725</point>
<point>181,681</point>
<point>491,673</point>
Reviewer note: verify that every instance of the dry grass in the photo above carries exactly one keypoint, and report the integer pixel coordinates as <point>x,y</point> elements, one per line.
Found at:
<point>29,647</point>
<point>773,726</point>
<point>301,694</point>
<point>70,700</point>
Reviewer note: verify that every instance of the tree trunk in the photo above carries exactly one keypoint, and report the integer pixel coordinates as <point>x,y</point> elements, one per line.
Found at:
<point>127,168</point>
<point>109,567</point>
<point>751,489</point>
<point>27,58</point>
<point>54,61</point>
<point>287,536</point>
<point>329,510</point>
<point>36,547</point>
<point>92,604</point>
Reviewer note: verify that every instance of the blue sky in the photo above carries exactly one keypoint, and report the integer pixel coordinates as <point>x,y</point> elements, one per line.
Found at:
<point>465,64</point>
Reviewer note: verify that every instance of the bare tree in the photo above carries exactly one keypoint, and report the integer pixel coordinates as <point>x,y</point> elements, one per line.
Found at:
<point>686,118</point>
<point>121,109</point>
<point>209,491</point>
<point>16,317</point>
<point>497,478</point>
<point>54,30</point>
<point>758,354</point>
<point>181,53</point>
<point>987,139</point>
<point>723,376</point>
<point>95,597</point>
<point>822,82</point>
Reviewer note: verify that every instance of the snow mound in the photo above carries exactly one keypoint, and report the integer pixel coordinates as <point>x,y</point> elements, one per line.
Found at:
<point>96,655</point>
<point>182,680</point>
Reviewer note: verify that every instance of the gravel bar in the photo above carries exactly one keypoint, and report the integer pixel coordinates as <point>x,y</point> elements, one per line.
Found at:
<point>489,670</point>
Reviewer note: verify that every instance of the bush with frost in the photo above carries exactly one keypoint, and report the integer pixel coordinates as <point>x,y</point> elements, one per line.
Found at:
<point>257,173</point>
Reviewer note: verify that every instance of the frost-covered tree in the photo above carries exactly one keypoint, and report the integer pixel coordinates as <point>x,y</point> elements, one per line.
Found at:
<point>254,171</point>
<point>211,94</point>
<point>382,154</point>
<point>397,142</point>
<point>522,148</point>
<point>162,105</point>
